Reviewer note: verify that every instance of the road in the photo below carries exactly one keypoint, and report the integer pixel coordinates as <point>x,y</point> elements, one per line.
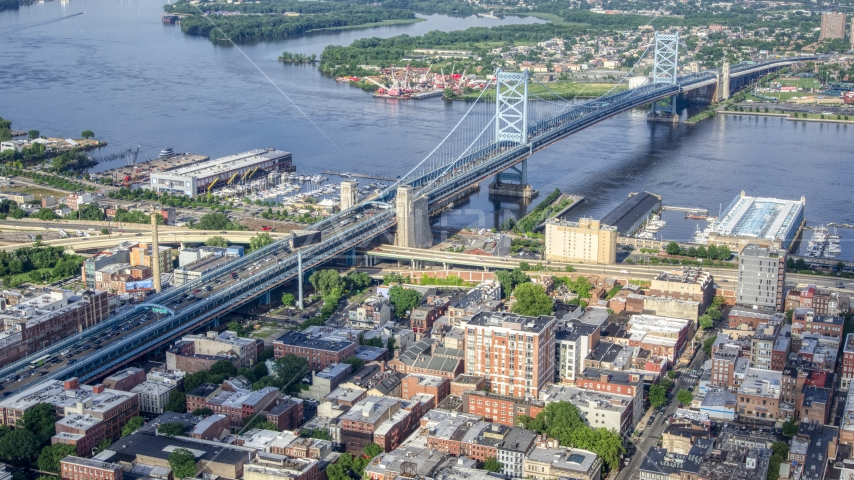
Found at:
<point>141,320</point>
<point>649,437</point>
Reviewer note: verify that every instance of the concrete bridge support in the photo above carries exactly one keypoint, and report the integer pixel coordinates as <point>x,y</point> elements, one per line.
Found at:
<point>264,299</point>
<point>518,174</point>
<point>722,92</point>
<point>348,194</point>
<point>413,221</point>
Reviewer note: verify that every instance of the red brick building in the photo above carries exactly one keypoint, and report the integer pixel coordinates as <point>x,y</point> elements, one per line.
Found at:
<point>288,414</point>
<point>464,382</point>
<point>236,405</point>
<point>76,468</point>
<point>848,361</point>
<point>414,383</point>
<point>126,379</point>
<point>320,352</point>
<point>805,322</point>
<point>501,409</point>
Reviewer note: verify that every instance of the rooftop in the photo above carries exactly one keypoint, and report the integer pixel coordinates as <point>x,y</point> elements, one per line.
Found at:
<point>302,340</point>
<point>152,387</point>
<point>758,217</point>
<point>371,409</point>
<point>572,459</point>
<point>634,208</point>
<point>586,398</point>
<point>512,321</point>
<point>53,392</point>
<point>227,164</point>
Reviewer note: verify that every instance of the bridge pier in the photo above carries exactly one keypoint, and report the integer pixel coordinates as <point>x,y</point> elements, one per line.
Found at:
<point>413,220</point>
<point>515,174</point>
<point>264,299</point>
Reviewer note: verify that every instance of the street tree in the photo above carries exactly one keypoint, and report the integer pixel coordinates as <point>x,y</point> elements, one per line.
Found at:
<point>657,396</point>
<point>288,299</point>
<point>325,281</point>
<point>133,425</point>
<point>216,241</point>
<point>491,464</point>
<point>51,455</point>
<point>403,299</point>
<point>684,397</point>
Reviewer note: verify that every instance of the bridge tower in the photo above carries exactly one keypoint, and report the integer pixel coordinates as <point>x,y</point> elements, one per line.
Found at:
<point>664,72</point>
<point>413,221</point>
<point>724,83</point>
<point>511,127</point>
<point>348,194</point>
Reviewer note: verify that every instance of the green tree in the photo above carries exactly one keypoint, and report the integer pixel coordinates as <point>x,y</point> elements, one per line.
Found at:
<point>510,279</point>
<point>265,425</point>
<point>684,397</point>
<point>41,420</point>
<point>315,433</point>
<point>105,444</point>
<point>356,363</point>
<point>51,455</point>
<point>260,240</point>
<point>372,450</point>
<point>490,464</point>
<point>657,395</point>
<point>358,280</point>
<point>326,281</point>
<point>290,368</point>
<point>19,445</point>
<point>171,429</point>
<point>46,214</point>
<point>87,134</point>
<point>708,343</point>
<point>203,412</point>
<point>288,299</point>
<point>403,299</point>
<point>216,241</point>
<point>790,427</point>
<point>33,134</point>
<point>237,328</point>
<point>671,374</point>
<point>672,248</point>
<point>706,322</point>
<point>183,463</point>
<point>133,425</point>
<point>713,313</point>
<point>532,300</point>
<point>215,221</point>
<point>177,402</point>
<point>105,231</point>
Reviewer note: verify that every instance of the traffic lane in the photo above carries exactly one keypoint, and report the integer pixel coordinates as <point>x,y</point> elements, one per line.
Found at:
<point>94,343</point>
<point>650,434</point>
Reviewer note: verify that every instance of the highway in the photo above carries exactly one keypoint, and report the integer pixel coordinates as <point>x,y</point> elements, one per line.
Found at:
<point>167,237</point>
<point>135,330</point>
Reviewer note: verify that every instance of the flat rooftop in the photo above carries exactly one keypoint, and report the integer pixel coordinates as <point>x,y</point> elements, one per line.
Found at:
<point>229,163</point>
<point>631,210</point>
<point>759,217</point>
<point>512,321</point>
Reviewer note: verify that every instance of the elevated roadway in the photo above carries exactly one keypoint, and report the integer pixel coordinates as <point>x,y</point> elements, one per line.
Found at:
<point>190,236</point>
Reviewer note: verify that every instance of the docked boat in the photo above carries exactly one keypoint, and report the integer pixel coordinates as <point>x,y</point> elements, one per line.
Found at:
<point>166,153</point>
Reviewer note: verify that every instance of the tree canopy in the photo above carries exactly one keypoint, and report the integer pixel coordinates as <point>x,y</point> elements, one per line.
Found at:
<point>261,239</point>
<point>684,396</point>
<point>171,429</point>
<point>51,455</point>
<point>532,300</point>
<point>510,279</point>
<point>491,464</point>
<point>133,425</point>
<point>183,463</point>
<point>326,281</point>
<point>562,421</point>
<point>216,241</point>
<point>403,299</point>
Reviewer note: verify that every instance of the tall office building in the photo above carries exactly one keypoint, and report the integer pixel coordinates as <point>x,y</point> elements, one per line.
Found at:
<point>516,354</point>
<point>761,277</point>
<point>832,26</point>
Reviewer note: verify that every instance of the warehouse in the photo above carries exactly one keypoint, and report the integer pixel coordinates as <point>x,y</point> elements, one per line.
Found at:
<point>631,214</point>
<point>201,177</point>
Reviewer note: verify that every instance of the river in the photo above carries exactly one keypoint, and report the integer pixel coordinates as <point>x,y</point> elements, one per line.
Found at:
<point>115,69</point>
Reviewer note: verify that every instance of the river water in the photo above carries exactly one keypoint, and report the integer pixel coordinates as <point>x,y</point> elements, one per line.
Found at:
<point>116,70</point>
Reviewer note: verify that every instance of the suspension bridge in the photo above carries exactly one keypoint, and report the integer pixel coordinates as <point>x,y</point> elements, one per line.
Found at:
<point>514,117</point>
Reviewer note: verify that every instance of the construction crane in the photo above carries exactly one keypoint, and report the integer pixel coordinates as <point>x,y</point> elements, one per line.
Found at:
<point>245,174</point>
<point>232,178</point>
<point>380,90</point>
<point>212,184</point>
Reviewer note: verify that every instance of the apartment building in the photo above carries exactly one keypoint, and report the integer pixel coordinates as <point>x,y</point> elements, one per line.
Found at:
<point>806,322</point>
<point>584,241</point>
<point>762,346</point>
<point>237,405</point>
<point>194,353</point>
<point>288,414</point>
<point>761,277</point>
<point>125,379</point>
<point>373,313</point>
<point>516,354</point>
<point>321,350</point>
<point>688,284</point>
<point>620,383</point>
<point>544,463</point>
<point>832,26</point>
<point>759,396</point>
<point>97,413</point>
<point>358,425</point>
<point>497,408</point>
<point>415,384</point>
<point>573,342</point>
<point>153,396</point>
<point>598,409</point>
<point>270,466</point>
<point>77,468</point>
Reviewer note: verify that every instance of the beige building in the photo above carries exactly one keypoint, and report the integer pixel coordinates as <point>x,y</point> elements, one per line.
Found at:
<point>544,463</point>
<point>515,354</point>
<point>832,26</point>
<point>585,241</point>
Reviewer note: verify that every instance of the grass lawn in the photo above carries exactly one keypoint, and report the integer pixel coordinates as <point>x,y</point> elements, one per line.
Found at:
<point>565,89</point>
<point>36,192</point>
<point>799,82</point>
<point>263,333</point>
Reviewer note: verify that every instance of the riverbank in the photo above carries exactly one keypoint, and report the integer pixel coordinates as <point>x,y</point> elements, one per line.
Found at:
<point>384,23</point>
<point>560,89</point>
<point>811,118</point>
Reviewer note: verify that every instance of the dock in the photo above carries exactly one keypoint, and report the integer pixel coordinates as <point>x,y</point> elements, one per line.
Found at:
<point>423,95</point>
<point>360,175</point>
<point>140,171</point>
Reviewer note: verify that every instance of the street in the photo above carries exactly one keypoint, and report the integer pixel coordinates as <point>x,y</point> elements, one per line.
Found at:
<point>649,436</point>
